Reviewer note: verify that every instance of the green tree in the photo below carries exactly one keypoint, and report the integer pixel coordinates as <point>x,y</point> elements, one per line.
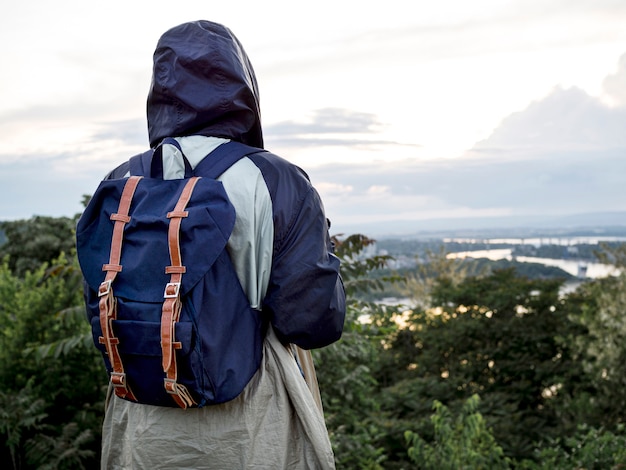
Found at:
<point>434,268</point>
<point>589,449</point>
<point>460,443</point>
<point>496,336</point>
<point>346,368</point>
<point>46,358</point>
<point>30,243</point>
<point>21,416</point>
<point>599,308</point>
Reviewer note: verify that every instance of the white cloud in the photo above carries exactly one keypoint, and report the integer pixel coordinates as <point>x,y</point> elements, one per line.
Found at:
<point>562,155</point>
<point>614,85</point>
<point>379,190</point>
<point>567,120</point>
<point>331,190</point>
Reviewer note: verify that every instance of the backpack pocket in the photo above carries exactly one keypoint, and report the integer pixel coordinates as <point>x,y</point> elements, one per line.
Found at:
<point>140,351</point>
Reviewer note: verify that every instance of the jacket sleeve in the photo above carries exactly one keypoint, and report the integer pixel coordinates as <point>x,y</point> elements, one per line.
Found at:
<point>305,298</point>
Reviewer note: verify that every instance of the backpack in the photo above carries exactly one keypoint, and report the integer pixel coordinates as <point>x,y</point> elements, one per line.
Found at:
<point>166,308</point>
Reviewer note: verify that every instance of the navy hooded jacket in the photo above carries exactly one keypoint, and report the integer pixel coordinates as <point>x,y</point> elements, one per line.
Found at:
<point>203,84</point>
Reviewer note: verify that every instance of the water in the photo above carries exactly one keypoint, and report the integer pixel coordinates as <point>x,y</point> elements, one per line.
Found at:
<point>580,269</point>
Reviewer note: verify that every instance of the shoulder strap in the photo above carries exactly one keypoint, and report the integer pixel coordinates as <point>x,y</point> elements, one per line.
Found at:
<point>212,166</point>
<point>222,158</point>
<point>150,163</point>
<point>139,165</point>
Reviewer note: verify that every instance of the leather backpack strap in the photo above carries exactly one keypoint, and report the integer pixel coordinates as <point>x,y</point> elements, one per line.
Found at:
<point>107,302</point>
<point>172,303</point>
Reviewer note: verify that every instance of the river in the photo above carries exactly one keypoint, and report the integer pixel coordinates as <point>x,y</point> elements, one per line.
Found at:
<point>578,268</point>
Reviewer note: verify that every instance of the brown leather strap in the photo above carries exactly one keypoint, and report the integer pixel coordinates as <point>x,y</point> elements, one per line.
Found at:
<point>172,303</point>
<point>108,302</point>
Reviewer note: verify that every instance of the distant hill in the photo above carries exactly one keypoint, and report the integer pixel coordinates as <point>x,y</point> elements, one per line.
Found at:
<point>593,224</point>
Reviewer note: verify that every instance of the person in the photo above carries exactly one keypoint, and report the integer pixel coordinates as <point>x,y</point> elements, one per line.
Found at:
<point>203,94</point>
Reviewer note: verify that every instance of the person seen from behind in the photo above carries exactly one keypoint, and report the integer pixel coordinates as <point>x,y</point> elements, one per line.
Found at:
<point>203,95</point>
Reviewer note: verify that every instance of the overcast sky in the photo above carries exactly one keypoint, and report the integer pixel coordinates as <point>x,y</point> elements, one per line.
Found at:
<point>398,110</point>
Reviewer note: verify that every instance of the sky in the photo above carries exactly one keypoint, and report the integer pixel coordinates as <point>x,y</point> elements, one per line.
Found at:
<point>403,113</point>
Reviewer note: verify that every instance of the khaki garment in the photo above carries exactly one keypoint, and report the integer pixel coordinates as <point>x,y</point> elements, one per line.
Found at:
<point>276,423</point>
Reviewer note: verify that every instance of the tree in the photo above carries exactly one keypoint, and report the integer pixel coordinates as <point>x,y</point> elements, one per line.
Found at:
<point>463,442</point>
<point>496,336</point>
<point>435,268</point>
<point>47,359</point>
<point>21,415</point>
<point>346,368</point>
<point>30,243</point>
<point>589,448</point>
<point>600,308</point>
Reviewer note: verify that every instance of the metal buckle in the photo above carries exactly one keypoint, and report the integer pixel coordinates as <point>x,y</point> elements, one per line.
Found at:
<point>170,386</point>
<point>118,379</point>
<point>105,288</point>
<point>176,286</point>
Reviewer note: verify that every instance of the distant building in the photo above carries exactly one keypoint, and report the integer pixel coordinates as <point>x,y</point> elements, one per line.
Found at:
<point>572,250</point>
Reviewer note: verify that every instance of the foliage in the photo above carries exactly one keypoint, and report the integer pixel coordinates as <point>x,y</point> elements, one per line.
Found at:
<point>548,368</point>
<point>416,281</point>
<point>599,308</point>
<point>527,270</point>
<point>435,267</point>
<point>489,332</point>
<point>21,414</point>
<point>345,368</point>
<point>35,241</point>
<point>349,397</point>
<point>357,267</point>
<point>54,383</point>
<point>493,336</point>
<point>589,449</point>
<point>463,442</point>
<point>70,450</point>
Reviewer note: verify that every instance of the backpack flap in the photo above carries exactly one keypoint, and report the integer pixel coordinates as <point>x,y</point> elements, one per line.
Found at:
<point>145,252</point>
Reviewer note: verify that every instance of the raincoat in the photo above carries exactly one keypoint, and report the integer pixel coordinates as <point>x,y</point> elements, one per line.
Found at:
<point>204,93</point>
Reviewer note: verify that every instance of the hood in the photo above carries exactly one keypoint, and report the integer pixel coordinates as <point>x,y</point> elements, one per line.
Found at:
<point>203,84</point>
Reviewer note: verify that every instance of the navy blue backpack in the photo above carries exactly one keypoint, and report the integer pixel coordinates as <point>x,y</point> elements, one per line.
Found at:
<point>166,308</point>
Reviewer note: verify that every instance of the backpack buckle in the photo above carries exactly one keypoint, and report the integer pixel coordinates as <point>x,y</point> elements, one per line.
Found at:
<point>171,290</point>
<point>118,379</point>
<point>105,288</point>
<point>170,386</point>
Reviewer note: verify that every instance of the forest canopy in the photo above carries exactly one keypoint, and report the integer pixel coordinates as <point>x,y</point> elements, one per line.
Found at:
<point>489,367</point>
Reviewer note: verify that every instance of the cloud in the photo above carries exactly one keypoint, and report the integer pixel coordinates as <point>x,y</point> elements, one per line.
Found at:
<point>614,85</point>
<point>47,165</point>
<point>39,187</point>
<point>329,120</point>
<point>329,127</point>
<point>564,154</point>
<point>47,131</point>
<point>548,185</point>
<point>334,189</point>
<point>565,120</point>
<point>411,33</point>
<point>128,132</point>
